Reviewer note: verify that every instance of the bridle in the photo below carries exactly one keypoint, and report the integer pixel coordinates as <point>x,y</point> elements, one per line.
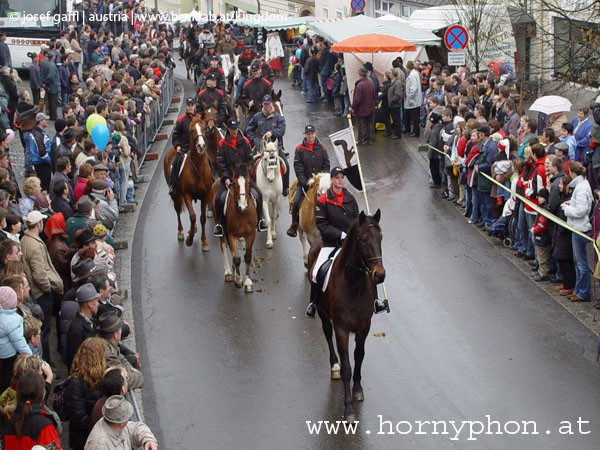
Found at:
<point>364,262</point>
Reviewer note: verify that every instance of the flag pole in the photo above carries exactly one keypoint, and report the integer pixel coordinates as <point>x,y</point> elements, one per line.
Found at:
<point>362,181</point>
<point>364,188</point>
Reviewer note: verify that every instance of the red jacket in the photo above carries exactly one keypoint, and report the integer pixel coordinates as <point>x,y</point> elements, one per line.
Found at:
<point>79,188</point>
<point>39,428</point>
<point>536,181</point>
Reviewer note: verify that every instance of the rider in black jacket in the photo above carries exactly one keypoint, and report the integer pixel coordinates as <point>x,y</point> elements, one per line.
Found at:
<point>181,139</point>
<point>310,158</point>
<point>234,148</point>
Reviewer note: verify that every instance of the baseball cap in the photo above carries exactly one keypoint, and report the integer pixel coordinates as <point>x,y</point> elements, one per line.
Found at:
<point>485,130</point>
<point>190,101</point>
<point>336,171</point>
<point>267,99</point>
<point>214,58</point>
<point>310,128</point>
<point>232,123</point>
<point>255,66</point>
<point>41,116</point>
<point>34,217</point>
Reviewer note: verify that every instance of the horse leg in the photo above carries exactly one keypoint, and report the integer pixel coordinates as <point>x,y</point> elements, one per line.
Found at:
<point>248,260</point>
<point>236,259</point>
<point>226,266</point>
<point>304,243</point>
<point>177,203</point>
<point>274,214</point>
<point>359,355</point>
<point>333,359</point>
<point>341,339</point>
<point>267,218</point>
<point>203,206</point>
<point>188,203</point>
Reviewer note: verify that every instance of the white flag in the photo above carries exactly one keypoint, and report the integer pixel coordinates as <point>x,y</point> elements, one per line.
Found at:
<point>343,145</point>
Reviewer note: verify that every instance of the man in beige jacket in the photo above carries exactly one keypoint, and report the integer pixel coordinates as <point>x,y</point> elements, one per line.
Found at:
<point>115,432</point>
<point>41,274</point>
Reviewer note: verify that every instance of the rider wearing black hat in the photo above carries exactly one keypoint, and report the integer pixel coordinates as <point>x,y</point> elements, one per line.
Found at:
<point>254,90</point>
<point>310,158</point>
<point>181,138</point>
<point>217,71</point>
<point>211,96</point>
<point>234,148</point>
<point>244,62</point>
<point>336,210</point>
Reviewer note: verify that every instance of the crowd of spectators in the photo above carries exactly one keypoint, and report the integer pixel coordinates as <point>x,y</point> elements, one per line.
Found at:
<point>57,250</point>
<point>473,129</point>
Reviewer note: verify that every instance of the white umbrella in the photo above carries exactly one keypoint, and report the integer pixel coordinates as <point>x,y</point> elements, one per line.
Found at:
<point>551,104</point>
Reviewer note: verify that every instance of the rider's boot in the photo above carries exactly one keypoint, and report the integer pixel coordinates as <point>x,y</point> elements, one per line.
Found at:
<point>312,306</point>
<point>286,182</point>
<point>293,229</point>
<point>380,305</point>
<point>262,224</point>
<point>173,173</point>
<point>218,231</point>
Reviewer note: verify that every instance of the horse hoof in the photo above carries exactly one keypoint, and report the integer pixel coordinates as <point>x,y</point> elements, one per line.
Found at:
<point>189,241</point>
<point>358,396</point>
<point>350,418</point>
<point>228,278</point>
<point>306,265</point>
<point>335,374</point>
<point>180,236</point>
<point>269,245</point>
<point>209,214</point>
<point>248,289</point>
<point>238,284</point>
<point>205,247</point>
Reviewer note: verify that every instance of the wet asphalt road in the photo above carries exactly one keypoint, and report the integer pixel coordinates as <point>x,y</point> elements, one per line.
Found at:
<point>469,335</point>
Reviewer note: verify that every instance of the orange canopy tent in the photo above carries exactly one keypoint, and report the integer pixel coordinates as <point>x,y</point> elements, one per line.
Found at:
<point>373,43</point>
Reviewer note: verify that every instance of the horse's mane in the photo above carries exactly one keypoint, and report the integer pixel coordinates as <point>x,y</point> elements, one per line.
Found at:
<point>353,233</point>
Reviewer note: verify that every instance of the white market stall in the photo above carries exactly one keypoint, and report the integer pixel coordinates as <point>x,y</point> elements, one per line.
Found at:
<point>336,30</point>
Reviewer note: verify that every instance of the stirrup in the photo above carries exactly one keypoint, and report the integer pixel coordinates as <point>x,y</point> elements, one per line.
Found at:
<point>382,305</point>
<point>262,225</point>
<point>218,231</point>
<point>311,310</point>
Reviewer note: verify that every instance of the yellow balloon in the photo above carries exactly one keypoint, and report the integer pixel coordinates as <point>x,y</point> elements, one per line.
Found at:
<point>92,120</point>
<point>302,29</point>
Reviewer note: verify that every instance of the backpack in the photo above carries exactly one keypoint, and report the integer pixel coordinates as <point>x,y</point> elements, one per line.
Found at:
<point>58,404</point>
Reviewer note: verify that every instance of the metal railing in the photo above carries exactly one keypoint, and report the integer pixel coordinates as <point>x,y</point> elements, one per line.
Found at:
<point>147,131</point>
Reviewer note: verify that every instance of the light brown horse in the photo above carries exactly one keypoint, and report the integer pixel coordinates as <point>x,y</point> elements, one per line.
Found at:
<point>238,223</point>
<point>193,184</point>
<point>308,233</point>
<point>346,306</point>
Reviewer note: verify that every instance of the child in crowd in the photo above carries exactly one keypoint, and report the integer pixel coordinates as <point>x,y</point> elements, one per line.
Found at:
<point>541,237</point>
<point>32,331</point>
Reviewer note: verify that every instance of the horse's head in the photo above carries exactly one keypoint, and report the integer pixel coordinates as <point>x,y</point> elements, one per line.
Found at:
<point>211,116</point>
<point>241,186</point>
<point>368,240</point>
<point>197,137</point>
<point>270,158</point>
<point>277,104</point>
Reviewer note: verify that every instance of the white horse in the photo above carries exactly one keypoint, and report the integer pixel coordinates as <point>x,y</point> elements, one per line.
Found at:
<point>270,183</point>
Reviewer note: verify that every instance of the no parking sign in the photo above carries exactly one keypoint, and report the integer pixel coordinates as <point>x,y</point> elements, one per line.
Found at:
<point>358,5</point>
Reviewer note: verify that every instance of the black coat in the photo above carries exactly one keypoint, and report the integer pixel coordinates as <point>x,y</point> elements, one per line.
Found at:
<point>332,218</point>
<point>308,162</point>
<point>255,89</point>
<point>181,132</point>
<point>228,155</point>
<point>79,331</point>
<point>311,68</point>
<point>562,246</point>
<point>60,204</point>
<point>79,403</point>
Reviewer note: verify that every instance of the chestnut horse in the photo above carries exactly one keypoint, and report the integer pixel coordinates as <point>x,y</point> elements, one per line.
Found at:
<point>308,233</point>
<point>238,223</point>
<point>194,183</point>
<point>346,306</point>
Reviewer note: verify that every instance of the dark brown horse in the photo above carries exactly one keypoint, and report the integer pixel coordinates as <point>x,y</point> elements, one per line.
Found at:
<point>346,306</point>
<point>239,223</point>
<point>194,183</point>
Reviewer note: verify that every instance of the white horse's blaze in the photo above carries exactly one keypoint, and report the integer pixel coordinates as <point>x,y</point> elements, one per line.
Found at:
<point>243,201</point>
<point>280,107</point>
<point>200,144</point>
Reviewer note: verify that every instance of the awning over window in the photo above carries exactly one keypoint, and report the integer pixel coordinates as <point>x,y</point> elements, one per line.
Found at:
<point>250,6</point>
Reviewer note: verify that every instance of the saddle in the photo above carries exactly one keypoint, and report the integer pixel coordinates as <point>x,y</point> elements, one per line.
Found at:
<point>323,265</point>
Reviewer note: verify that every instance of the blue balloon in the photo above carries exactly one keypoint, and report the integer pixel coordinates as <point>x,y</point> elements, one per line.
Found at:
<point>298,53</point>
<point>100,135</point>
